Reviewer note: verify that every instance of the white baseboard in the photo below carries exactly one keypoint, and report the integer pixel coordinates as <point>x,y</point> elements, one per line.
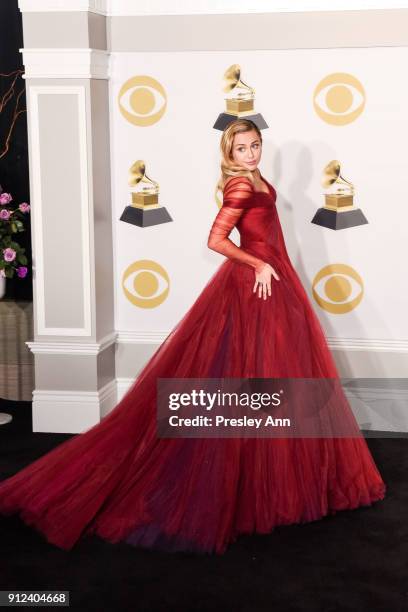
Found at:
<point>381,409</point>
<point>122,386</point>
<point>71,411</point>
<point>375,409</point>
<point>373,345</point>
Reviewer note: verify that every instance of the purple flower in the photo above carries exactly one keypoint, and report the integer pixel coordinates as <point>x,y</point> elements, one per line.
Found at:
<point>5,214</point>
<point>9,254</point>
<point>5,198</point>
<point>21,271</point>
<point>24,207</point>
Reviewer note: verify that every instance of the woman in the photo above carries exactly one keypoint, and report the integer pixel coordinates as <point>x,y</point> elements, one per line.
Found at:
<point>253,319</point>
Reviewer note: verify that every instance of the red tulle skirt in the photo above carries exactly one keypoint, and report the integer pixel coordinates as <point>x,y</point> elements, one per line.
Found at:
<point>122,482</point>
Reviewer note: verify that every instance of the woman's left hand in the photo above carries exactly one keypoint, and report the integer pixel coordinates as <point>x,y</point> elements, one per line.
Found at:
<point>263,280</point>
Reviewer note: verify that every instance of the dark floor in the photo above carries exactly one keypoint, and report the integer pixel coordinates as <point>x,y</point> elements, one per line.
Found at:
<point>354,561</point>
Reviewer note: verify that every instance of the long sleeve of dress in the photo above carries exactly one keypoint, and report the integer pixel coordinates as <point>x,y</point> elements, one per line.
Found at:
<point>236,198</point>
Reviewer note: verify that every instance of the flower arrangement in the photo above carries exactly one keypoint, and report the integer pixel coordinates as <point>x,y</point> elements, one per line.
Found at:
<point>12,258</point>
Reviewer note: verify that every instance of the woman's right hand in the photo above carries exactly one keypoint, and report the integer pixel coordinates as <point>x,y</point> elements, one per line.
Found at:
<point>263,280</point>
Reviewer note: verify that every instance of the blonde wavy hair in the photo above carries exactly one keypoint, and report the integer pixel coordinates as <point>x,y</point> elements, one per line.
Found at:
<point>228,165</point>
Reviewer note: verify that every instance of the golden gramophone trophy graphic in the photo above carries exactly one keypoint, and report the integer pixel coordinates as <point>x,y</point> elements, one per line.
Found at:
<point>240,101</point>
<point>145,209</point>
<point>338,211</point>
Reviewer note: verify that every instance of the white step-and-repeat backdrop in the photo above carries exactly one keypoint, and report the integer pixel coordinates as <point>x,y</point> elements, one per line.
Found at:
<point>321,105</point>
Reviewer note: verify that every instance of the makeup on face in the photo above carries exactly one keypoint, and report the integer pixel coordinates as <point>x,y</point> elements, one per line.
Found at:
<point>247,151</point>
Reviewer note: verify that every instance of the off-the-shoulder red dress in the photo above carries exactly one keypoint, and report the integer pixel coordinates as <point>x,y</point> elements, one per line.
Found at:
<point>120,481</point>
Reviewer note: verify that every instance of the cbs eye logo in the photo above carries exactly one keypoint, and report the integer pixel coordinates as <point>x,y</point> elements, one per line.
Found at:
<point>150,283</point>
<point>137,100</point>
<point>341,286</point>
<point>339,98</point>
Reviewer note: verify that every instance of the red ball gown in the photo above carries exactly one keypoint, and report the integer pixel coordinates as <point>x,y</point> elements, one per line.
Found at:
<point>122,482</point>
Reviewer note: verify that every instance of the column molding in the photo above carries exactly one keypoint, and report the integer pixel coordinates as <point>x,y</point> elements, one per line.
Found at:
<point>34,92</point>
<point>48,6</point>
<point>73,348</point>
<point>65,63</point>
<point>68,125</point>
<point>72,411</point>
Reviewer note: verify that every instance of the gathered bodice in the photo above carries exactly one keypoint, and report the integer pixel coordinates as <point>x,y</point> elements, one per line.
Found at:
<point>255,216</point>
<point>257,223</point>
